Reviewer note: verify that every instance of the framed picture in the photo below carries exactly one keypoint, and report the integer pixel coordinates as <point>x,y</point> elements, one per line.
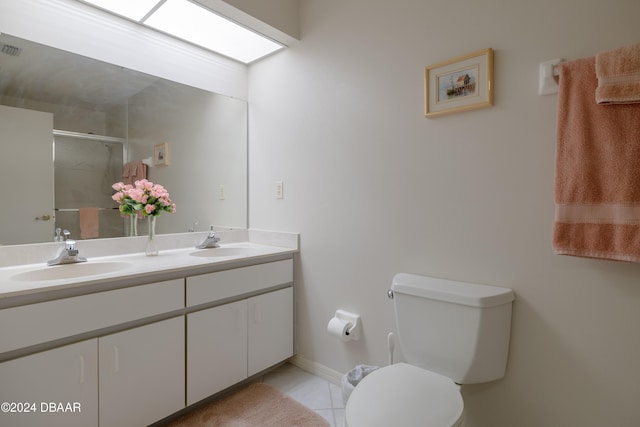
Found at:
<point>161,154</point>
<point>459,84</point>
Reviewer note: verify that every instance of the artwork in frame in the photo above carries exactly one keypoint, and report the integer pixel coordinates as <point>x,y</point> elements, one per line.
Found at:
<point>459,84</point>
<point>161,154</point>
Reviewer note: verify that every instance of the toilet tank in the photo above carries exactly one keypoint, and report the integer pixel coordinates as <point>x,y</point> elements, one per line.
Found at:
<point>460,330</point>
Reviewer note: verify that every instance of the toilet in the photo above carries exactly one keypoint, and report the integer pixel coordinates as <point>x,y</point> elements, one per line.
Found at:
<point>450,333</point>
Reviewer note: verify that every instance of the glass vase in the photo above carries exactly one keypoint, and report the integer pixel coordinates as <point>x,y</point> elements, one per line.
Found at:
<point>133,224</point>
<point>152,243</point>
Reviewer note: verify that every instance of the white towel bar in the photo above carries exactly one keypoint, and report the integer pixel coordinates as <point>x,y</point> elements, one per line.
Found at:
<point>547,79</point>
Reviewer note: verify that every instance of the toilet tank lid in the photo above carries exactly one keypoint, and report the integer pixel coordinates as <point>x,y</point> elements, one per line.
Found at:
<point>451,291</point>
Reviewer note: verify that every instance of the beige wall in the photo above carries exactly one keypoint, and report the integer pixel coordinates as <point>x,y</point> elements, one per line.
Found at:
<point>375,188</point>
<point>280,14</point>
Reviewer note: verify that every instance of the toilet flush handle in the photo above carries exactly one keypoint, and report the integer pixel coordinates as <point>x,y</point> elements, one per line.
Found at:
<point>390,294</point>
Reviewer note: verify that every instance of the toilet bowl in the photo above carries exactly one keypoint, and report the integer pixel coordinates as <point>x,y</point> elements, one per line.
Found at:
<point>403,395</point>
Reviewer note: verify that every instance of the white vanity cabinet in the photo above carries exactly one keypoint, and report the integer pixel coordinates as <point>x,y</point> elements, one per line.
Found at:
<point>132,377</point>
<point>56,387</point>
<point>141,374</point>
<point>228,343</point>
<point>121,357</point>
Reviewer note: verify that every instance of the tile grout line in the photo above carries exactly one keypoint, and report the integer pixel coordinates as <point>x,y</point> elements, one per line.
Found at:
<point>333,411</point>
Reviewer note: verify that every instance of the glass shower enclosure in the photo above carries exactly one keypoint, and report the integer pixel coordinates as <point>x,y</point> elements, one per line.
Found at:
<point>85,167</point>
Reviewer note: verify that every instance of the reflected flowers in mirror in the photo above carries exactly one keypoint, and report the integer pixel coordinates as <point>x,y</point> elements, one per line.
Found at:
<point>143,197</point>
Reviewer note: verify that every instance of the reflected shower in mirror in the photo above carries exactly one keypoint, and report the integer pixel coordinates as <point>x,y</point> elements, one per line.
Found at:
<point>104,116</point>
<point>84,171</point>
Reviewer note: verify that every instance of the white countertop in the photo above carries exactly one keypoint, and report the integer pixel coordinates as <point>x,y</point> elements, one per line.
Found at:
<point>27,279</point>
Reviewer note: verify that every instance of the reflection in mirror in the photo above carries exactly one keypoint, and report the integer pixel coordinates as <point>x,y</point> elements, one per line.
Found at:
<point>105,120</point>
<point>84,170</point>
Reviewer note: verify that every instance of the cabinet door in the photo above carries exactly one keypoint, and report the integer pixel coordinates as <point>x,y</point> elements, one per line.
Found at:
<point>270,329</point>
<point>59,387</point>
<point>142,374</point>
<point>216,349</point>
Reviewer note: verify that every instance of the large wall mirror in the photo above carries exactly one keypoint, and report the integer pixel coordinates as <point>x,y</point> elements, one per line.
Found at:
<point>97,122</point>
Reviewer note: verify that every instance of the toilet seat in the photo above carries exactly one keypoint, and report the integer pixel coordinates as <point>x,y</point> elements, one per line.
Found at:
<point>405,395</point>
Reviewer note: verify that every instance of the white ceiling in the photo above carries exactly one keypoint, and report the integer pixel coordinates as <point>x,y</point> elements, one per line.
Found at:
<point>41,72</point>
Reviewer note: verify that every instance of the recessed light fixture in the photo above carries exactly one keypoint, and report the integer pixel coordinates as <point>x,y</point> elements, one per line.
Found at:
<point>135,10</point>
<point>189,21</point>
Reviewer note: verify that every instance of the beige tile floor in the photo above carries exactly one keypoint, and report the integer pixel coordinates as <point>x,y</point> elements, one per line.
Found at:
<point>316,393</point>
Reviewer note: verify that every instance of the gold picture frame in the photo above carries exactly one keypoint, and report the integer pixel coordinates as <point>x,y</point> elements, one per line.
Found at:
<point>161,154</point>
<point>459,84</point>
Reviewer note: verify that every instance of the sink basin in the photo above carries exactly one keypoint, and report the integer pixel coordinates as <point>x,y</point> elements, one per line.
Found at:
<point>70,271</point>
<point>224,252</point>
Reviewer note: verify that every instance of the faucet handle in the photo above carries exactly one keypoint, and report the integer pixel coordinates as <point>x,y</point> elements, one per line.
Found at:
<point>69,243</point>
<point>69,255</point>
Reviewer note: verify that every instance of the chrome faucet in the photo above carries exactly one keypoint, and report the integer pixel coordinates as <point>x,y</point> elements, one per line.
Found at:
<point>211,241</point>
<point>68,255</point>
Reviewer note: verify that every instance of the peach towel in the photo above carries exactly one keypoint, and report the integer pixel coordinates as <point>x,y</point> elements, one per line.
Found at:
<point>89,223</point>
<point>618,73</point>
<point>597,187</point>
<point>134,171</point>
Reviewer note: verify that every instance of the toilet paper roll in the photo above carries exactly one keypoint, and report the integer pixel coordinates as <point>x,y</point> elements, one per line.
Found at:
<point>338,328</point>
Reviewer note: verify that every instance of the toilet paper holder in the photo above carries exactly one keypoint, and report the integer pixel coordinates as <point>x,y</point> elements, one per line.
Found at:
<point>353,332</point>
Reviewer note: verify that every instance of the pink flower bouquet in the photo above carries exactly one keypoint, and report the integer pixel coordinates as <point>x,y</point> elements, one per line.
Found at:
<point>144,197</point>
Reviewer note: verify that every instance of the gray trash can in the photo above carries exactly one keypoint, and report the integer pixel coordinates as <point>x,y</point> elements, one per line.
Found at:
<point>351,379</point>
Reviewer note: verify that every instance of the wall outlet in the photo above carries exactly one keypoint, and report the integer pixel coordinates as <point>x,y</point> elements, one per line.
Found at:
<point>279,190</point>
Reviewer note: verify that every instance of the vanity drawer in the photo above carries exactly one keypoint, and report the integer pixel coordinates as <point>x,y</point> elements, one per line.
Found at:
<point>46,321</point>
<point>225,284</point>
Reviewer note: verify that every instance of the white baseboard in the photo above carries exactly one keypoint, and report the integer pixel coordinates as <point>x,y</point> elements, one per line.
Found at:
<point>317,369</point>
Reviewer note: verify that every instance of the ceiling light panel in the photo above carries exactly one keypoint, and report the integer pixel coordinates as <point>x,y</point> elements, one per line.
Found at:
<point>195,24</point>
<point>132,9</point>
